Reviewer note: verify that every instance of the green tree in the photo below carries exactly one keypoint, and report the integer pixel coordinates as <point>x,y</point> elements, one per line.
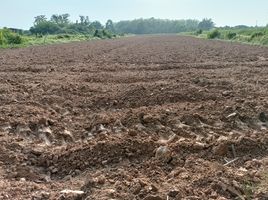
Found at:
<point>96,25</point>
<point>152,25</point>
<point>84,20</point>
<point>110,26</point>
<point>206,24</point>
<point>39,19</point>
<point>60,20</point>
<point>45,27</point>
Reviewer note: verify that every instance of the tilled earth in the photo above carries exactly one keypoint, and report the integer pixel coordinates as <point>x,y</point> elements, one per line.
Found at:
<point>144,118</point>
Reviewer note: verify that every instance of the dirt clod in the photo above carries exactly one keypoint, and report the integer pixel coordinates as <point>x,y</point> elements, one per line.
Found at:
<point>163,153</point>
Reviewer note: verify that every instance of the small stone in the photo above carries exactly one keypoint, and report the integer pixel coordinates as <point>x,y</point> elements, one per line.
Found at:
<point>147,119</point>
<point>47,178</point>
<point>132,133</point>
<point>163,153</point>
<point>153,197</point>
<point>55,170</point>
<point>198,146</point>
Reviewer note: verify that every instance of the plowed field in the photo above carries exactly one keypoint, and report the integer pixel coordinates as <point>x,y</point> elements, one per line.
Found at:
<point>145,118</point>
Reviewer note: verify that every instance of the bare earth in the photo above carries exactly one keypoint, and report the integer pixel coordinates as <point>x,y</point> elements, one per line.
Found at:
<point>145,118</point>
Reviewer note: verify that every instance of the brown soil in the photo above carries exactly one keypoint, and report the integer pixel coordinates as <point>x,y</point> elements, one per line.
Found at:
<point>145,118</point>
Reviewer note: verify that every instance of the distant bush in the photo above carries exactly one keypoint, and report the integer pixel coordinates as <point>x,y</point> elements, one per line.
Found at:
<point>257,34</point>
<point>230,35</point>
<point>14,39</point>
<point>198,32</point>
<point>98,34</point>
<point>8,37</point>
<point>107,34</point>
<point>214,34</point>
<point>103,34</point>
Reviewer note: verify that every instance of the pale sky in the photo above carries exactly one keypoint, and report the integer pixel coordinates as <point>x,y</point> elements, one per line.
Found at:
<point>21,13</point>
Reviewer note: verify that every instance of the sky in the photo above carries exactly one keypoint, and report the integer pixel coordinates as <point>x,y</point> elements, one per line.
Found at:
<point>21,13</point>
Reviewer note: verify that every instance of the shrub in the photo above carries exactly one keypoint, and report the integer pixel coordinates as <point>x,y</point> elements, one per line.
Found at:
<point>14,39</point>
<point>97,34</point>
<point>230,35</point>
<point>103,34</point>
<point>257,34</point>
<point>8,37</point>
<point>214,34</point>
<point>198,32</point>
<point>107,34</point>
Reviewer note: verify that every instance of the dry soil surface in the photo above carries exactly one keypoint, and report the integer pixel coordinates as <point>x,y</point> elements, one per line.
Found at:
<point>144,118</point>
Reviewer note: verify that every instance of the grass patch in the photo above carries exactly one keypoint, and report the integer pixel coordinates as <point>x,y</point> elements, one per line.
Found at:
<point>256,36</point>
<point>30,40</point>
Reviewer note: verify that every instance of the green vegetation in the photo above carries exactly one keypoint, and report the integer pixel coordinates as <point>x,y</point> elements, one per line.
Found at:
<point>58,29</point>
<point>243,34</point>
<point>60,24</point>
<point>155,26</point>
<point>29,40</point>
<point>206,24</point>
<point>214,34</point>
<point>7,37</point>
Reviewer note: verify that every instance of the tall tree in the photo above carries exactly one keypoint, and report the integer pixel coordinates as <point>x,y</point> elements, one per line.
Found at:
<point>110,26</point>
<point>96,25</point>
<point>206,24</point>
<point>84,20</point>
<point>60,19</point>
<point>39,19</point>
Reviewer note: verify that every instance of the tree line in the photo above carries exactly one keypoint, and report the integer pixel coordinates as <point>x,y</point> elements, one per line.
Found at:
<point>154,26</point>
<point>61,24</point>
<point>58,24</point>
